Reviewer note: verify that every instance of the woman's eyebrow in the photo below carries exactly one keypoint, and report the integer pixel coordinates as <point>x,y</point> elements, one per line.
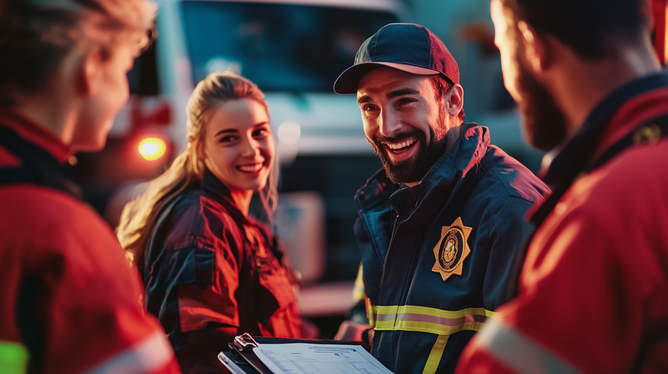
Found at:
<point>260,124</point>
<point>225,131</point>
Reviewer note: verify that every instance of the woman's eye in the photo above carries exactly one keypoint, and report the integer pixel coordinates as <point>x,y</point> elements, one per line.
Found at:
<point>260,133</point>
<point>228,139</point>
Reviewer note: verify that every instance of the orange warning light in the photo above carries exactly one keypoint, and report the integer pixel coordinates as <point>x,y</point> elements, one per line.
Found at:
<point>152,148</point>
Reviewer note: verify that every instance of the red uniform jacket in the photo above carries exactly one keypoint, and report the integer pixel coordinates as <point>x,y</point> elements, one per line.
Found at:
<point>70,302</point>
<point>593,293</point>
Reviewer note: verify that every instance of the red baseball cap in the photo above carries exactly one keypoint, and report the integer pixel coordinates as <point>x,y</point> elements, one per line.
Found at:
<point>403,46</point>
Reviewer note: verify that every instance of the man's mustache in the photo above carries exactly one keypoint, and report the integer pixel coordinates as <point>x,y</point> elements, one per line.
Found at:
<point>380,139</point>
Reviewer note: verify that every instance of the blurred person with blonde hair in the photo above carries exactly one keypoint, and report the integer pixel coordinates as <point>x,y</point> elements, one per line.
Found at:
<point>211,270</point>
<point>69,300</point>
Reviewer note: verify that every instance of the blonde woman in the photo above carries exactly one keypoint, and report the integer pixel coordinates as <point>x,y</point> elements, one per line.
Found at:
<point>69,300</point>
<point>211,270</point>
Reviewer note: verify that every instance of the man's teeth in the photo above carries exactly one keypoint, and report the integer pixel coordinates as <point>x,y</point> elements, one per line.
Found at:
<point>250,168</point>
<point>404,144</point>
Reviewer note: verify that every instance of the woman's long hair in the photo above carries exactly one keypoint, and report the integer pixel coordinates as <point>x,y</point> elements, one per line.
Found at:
<point>186,172</point>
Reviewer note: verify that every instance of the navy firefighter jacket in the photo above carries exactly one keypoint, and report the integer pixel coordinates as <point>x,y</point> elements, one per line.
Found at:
<point>436,257</point>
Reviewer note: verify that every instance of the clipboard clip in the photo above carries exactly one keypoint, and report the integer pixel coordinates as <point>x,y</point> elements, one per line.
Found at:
<point>244,342</point>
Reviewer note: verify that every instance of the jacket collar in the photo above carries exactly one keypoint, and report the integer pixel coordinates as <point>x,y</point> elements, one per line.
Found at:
<point>573,157</point>
<point>611,114</point>
<point>213,187</point>
<point>36,134</point>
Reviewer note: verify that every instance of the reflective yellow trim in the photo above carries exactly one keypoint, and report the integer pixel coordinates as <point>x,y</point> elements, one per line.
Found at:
<point>414,309</point>
<point>426,319</point>
<point>435,355</point>
<point>370,312</point>
<point>430,328</point>
<point>13,358</point>
<point>358,289</point>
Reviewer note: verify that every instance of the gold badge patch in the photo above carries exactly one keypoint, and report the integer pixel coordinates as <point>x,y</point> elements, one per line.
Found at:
<point>452,249</point>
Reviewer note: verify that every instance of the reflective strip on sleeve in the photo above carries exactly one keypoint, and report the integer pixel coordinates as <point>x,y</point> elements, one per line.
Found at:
<point>370,311</point>
<point>13,358</point>
<point>429,320</point>
<point>151,354</point>
<point>435,355</point>
<point>518,352</point>
<point>358,289</point>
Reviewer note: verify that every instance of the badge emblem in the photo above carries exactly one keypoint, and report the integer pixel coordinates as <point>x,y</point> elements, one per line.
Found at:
<point>452,249</point>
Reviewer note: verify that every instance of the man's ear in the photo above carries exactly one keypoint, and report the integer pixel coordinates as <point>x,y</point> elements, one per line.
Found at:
<point>454,100</point>
<point>535,47</point>
<point>89,72</point>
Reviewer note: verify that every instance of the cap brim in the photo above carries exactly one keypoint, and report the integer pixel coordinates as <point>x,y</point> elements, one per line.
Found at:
<point>347,82</point>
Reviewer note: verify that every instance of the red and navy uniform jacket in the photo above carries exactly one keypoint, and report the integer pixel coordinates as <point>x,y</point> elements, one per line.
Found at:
<point>70,301</point>
<point>436,256</point>
<point>212,274</point>
<point>593,292</point>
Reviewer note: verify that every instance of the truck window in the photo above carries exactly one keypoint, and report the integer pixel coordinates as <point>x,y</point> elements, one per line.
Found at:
<point>280,47</point>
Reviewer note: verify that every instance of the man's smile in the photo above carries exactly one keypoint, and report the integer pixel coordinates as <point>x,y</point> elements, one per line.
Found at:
<point>401,150</point>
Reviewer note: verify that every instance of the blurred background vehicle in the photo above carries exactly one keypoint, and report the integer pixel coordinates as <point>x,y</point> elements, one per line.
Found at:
<point>293,50</point>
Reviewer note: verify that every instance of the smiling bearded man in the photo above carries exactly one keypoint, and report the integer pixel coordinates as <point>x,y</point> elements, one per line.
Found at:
<point>440,224</point>
<point>412,142</point>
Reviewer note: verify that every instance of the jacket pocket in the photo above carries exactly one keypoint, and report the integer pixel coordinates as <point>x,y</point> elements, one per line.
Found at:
<point>197,267</point>
<point>273,288</point>
<point>200,302</point>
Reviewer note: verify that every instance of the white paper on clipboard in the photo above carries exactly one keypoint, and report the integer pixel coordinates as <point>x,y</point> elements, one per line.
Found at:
<point>303,358</point>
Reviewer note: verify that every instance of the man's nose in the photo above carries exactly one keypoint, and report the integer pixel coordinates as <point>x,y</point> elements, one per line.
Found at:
<point>389,123</point>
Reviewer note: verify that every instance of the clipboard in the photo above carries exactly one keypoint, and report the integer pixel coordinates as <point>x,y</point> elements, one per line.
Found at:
<point>241,359</point>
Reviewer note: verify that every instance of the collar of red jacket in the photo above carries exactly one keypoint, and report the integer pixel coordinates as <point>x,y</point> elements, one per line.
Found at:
<point>35,134</point>
<point>615,116</point>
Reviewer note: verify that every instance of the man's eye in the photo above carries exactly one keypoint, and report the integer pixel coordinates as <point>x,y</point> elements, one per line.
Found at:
<point>405,101</point>
<point>368,108</point>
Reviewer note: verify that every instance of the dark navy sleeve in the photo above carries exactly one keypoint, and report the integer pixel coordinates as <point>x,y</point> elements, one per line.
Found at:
<point>507,230</point>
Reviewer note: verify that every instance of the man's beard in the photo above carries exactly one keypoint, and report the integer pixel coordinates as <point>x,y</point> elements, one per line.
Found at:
<point>544,123</point>
<point>415,168</point>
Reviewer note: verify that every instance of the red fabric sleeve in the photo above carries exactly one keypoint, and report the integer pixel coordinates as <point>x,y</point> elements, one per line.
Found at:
<point>216,302</point>
<point>593,283</point>
<point>201,304</point>
<point>87,300</point>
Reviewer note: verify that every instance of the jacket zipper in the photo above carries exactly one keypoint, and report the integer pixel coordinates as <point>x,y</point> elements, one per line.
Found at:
<point>387,254</point>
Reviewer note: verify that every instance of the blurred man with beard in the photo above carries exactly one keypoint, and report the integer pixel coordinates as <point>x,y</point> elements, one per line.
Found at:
<point>439,225</point>
<point>592,292</point>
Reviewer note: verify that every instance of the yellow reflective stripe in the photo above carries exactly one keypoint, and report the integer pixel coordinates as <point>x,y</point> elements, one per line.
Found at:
<point>370,312</point>
<point>13,358</point>
<point>358,289</point>
<point>435,355</point>
<point>428,327</point>
<point>427,319</point>
<point>395,309</point>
